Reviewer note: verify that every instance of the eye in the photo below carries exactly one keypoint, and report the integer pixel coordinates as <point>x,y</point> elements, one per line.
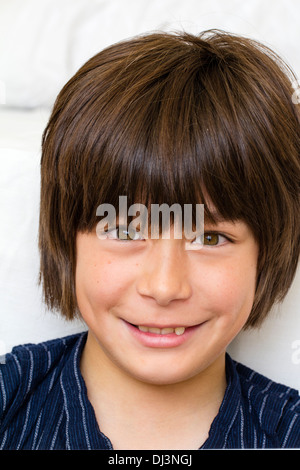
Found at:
<point>124,234</point>
<point>213,239</point>
<point>210,239</point>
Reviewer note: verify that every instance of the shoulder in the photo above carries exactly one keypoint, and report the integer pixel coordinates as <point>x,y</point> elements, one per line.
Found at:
<point>276,406</point>
<point>25,368</point>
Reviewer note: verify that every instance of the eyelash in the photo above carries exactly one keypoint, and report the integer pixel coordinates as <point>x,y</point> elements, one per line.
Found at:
<point>206,234</point>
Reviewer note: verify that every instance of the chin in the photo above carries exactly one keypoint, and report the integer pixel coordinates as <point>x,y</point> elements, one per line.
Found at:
<point>162,375</point>
<point>160,380</point>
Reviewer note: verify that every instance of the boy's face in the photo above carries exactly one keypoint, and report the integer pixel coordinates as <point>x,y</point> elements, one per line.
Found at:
<point>163,284</point>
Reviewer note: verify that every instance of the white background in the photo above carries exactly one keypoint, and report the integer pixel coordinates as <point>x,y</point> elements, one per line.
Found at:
<point>42,43</point>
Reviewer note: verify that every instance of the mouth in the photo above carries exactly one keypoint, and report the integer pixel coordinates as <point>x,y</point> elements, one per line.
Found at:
<point>178,330</point>
<point>162,336</point>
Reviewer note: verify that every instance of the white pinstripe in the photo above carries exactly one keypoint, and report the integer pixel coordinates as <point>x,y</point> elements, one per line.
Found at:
<point>48,352</point>
<point>242,427</point>
<point>56,431</point>
<point>4,440</point>
<point>36,431</point>
<point>30,371</point>
<point>230,425</point>
<point>18,365</point>
<point>3,392</point>
<point>255,439</point>
<point>295,405</point>
<point>264,441</point>
<point>67,414</point>
<point>262,409</point>
<point>80,395</point>
<point>267,386</point>
<point>25,424</point>
<point>289,431</point>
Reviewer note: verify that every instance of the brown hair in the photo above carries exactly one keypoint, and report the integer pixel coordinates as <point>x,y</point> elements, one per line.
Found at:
<point>175,118</point>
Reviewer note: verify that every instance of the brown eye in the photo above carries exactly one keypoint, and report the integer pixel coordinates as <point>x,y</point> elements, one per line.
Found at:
<point>211,239</point>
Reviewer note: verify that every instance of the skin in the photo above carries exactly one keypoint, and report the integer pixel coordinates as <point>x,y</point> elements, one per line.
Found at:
<point>162,283</point>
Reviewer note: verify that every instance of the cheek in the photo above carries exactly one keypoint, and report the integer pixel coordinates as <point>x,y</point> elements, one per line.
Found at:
<point>99,285</point>
<point>228,305</point>
<point>229,293</point>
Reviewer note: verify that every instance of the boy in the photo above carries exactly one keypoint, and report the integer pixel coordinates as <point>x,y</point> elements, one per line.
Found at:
<point>162,119</point>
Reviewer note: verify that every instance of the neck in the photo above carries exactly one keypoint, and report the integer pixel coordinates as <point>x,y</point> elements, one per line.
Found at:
<point>185,405</point>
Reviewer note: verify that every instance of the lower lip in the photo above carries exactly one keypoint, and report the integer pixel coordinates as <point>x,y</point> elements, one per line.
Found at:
<point>153,340</point>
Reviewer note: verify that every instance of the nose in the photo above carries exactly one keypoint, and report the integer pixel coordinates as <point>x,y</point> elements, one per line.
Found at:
<point>164,275</point>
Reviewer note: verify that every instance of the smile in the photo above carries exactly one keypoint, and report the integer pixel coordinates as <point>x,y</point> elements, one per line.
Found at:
<point>162,336</point>
<point>179,330</point>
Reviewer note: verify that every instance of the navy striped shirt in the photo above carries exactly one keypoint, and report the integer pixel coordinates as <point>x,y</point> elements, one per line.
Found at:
<point>44,404</point>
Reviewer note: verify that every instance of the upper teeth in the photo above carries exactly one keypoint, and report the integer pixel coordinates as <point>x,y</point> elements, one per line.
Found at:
<point>179,330</point>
